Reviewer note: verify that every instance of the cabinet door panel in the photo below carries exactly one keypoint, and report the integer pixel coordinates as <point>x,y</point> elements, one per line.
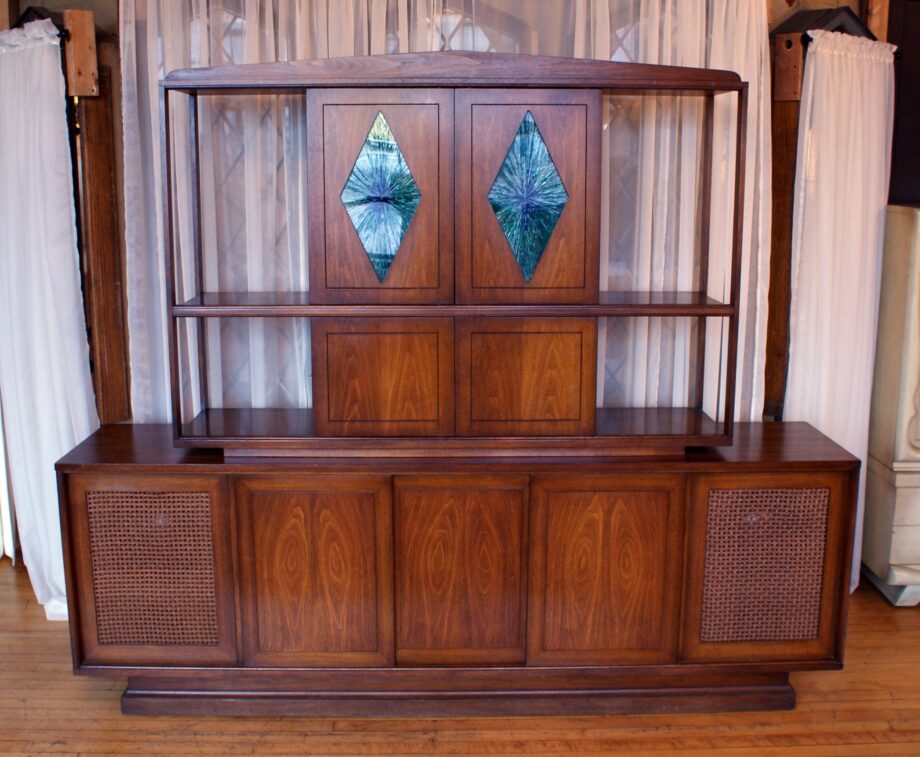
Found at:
<point>763,566</point>
<point>605,569</point>
<point>526,376</point>
<point>383,376</point>
<point>315,561</point>
<point>569,125</point>
<point>460,545</point>
<point>420,122</point>
<point>152,569</point>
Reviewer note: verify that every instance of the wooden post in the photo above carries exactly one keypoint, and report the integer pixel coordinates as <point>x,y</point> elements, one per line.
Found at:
<point>101,253</point>
<point>876,18</point>
<point>80,54</point>
<point>788,55</point>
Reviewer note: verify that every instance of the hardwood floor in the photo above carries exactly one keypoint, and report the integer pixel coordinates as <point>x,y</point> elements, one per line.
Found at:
<point>871,707</point>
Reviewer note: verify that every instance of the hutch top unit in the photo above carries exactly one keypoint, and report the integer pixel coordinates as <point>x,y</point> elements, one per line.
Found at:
<point>454,241</point>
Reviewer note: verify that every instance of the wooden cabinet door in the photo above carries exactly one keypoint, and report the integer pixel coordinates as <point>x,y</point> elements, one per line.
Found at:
<point>420,121</point>
<point>526,376</point>
<point>568,124</point>
<point>315,568</point>
<point>383,376</point>
<point>152,572</point>
<point>460,569</point>
<point>764,566</point>
<point>605,562</point>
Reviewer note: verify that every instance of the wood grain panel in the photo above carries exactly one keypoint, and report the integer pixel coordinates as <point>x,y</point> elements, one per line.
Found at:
<point>316,566</point>
<point>487,121</point>
<point>761,607</point>
<point>382,377</point>
<point>527,376</point>
<point>339,121</point>
<point>118,563</point>
<point>605,569</point>
<point>460,569</point>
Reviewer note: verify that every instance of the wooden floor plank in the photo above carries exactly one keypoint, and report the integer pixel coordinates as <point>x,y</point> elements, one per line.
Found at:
<point>872,707</point>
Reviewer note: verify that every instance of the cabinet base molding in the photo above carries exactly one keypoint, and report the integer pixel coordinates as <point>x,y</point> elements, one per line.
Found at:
<point>146,696</point>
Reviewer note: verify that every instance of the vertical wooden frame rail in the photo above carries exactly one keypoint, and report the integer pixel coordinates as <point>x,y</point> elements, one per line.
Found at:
<point>705,220</point>
<point>172,325</point>
<point>197,245</point>
<point>732,358</point>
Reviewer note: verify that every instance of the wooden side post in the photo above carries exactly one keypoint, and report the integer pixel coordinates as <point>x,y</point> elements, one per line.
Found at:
<point>876,18</point>
<point>101,253</point>
<point>788,55</point>
<point>80,54</point>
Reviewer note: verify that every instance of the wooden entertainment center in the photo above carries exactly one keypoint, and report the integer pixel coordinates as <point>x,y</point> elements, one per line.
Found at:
<point>455,526</point>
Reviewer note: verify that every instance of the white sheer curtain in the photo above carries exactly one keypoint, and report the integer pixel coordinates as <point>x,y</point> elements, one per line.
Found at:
<point>252,158</point>
<point>841,191</point>
<point>45,384</point>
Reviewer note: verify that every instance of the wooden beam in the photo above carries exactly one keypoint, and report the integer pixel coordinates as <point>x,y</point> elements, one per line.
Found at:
<point>877,18</point>
<point>788,67</point>
<point>80,54</point>
<point>4,15</point>
<point>101,253</point>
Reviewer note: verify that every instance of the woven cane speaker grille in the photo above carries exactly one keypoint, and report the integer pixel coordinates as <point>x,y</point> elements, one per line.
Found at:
<point>153,567</point>
<point>764,564</point>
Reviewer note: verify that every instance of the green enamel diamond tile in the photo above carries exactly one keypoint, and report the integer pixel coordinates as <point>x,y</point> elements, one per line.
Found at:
<point>381,196</point>
<point>528,196</point>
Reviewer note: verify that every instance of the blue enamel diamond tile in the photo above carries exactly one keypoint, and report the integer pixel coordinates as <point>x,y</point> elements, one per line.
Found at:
<point>381,196</point>
<point>528,196</point>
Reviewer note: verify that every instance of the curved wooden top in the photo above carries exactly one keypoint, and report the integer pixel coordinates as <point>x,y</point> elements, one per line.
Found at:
<point>452,69</point>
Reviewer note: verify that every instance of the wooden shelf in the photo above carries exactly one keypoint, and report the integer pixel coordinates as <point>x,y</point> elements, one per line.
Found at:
<point>617,428</point>
<point>450,69</point>
<point>297,305</point>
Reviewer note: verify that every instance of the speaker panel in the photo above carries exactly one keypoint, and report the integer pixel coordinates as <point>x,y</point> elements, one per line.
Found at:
<point>153,567</point>
<point>764,564</point>
<point>763,577</point>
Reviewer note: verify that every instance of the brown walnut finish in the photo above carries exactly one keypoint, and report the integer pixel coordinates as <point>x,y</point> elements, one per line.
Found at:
<point>423,269</point>
<point>570,124</point>
<point>489,586</point>
<point>516,552</point>
<point>382,376</point>
<point>526,376</point>
<point>460,568</point>
<point>315,562</point>
<point>605,557</point>
<point>758,606</point>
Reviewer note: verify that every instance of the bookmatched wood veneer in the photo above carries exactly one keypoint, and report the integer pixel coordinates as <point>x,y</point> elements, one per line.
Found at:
<point>383,376</point>
<point>526,376</point>
<point>461,547</point>
<point>315,570</point>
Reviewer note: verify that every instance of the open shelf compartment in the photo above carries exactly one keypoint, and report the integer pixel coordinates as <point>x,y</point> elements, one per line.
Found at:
<point>218,356</point>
